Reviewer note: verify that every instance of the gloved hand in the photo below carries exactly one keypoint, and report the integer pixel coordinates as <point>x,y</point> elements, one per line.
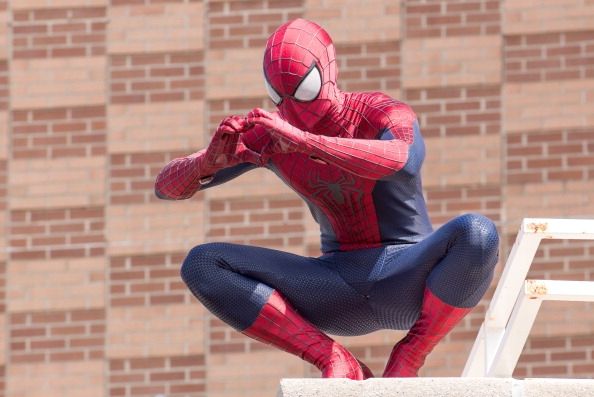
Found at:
<point>285,137</point>
<point>226,147</point>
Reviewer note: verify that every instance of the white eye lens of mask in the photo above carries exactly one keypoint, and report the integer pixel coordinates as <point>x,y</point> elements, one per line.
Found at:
<point>276,99</point>
<point>310,86</point>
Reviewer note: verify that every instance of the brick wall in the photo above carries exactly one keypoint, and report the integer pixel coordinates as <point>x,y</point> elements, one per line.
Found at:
<point>59,132</point>
<point>273,222</point>
<point>72,335</point>
<point>452,18</point>
<point>458,110</point>
<point>370,66</point>
<point>132,175</point>
<point>247,24</point>
<point>550,156</point>
<point>170,376</point>
<point>96,96</point>
<point>157,77</point>
<point>549,56</point>
<point>57,233</point>
<point>146,280</point>
<point>61,32</point>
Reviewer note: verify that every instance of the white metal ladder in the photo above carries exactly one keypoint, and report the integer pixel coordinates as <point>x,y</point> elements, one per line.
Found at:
<point>514,306</point>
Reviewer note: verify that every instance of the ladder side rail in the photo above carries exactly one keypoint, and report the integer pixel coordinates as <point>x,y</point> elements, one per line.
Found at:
<point>503,362</point>
<point>525,311</point>
<point>492,338</point>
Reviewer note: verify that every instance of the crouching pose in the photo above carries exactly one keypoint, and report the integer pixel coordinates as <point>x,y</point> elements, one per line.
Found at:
<point>355,159</point>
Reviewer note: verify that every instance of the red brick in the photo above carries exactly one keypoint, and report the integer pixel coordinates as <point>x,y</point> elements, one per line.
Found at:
<point>49,13</point>
<point>263,217</point>
<point>69,27</point>
<point>67,356</point>
<point>87,342</point>
<point>166,299</point>
<point>227,348</point>
<point>281,229</point>
<point>188,388</point>
<point>88,315</point>
<point>246,205</point>
<point>18,347</point>
<point>133,301</point>
<point>532,358</point>
<point>247,230</point>
<point>568,356</point>
<point>266,242</point>
<point>464,6</point>
<point>167,376</point>
<point>168,97</point>
<point>419,7</point>
<point>117,391</point>
<point>48,344</point>
<point>68,330</point>
<point>131,378</point>
<point>28,332</point>
<point>27,358</point>
<point>145,363</point>
<point>549,370</point>
<point>187,361</point>
<point>29,29</point>
<point>540,343</point>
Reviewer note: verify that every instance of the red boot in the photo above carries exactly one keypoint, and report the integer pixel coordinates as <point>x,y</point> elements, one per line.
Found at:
<point>278,324</point>
<point>436,320</point>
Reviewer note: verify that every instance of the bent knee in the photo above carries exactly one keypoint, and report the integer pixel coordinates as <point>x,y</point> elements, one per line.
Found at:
<point>479,233</point>
<point>199,259</point>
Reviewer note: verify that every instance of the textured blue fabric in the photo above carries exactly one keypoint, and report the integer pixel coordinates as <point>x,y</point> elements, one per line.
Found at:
<point>398,199</point>
<point>348,292</point>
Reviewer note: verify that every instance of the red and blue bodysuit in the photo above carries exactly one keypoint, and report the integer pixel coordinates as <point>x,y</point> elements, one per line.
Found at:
<point>355,159</point>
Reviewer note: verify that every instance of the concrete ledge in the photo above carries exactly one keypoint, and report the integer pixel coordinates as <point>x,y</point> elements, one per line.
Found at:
<point>437,387</point>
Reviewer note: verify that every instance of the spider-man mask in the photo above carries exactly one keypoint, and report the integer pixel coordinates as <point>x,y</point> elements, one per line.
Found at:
<point>300,73</point>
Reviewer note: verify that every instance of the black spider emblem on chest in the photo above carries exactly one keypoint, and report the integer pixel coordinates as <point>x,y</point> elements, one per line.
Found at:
<point>342,191</point>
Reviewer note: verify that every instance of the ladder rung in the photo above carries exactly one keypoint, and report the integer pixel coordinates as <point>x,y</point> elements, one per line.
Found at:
<point>560,290</point>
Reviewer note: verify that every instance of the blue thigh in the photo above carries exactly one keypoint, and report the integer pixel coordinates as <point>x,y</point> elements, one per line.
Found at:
<point>456,262</point>
<point>234,282</point>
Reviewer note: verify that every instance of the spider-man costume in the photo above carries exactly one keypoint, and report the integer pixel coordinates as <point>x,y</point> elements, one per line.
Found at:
<point>355,159</point>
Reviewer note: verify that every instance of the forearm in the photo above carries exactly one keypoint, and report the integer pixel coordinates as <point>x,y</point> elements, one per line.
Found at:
<point>372,159</point>
<point>182,177</point>
<point>367,158</point>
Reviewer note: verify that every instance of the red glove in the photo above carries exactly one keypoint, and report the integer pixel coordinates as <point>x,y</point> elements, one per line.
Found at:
<point>226,147</point>
<point>285,137</point>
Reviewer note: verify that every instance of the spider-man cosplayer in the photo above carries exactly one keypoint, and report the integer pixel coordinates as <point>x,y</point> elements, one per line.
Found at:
<point>355,159</point>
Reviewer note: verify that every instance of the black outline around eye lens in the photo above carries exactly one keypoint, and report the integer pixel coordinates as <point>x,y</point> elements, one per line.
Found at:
<point>273,90</point>
<point>306,75</point>
<point>282,97</point>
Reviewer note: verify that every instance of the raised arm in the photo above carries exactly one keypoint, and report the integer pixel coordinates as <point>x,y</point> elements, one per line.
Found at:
<point>225,158</point>
<point>368,158</point>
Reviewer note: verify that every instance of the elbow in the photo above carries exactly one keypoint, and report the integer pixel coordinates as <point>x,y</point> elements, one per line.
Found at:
<point>162,195</point>
<point>168,192</point>
<point>164,192</point>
